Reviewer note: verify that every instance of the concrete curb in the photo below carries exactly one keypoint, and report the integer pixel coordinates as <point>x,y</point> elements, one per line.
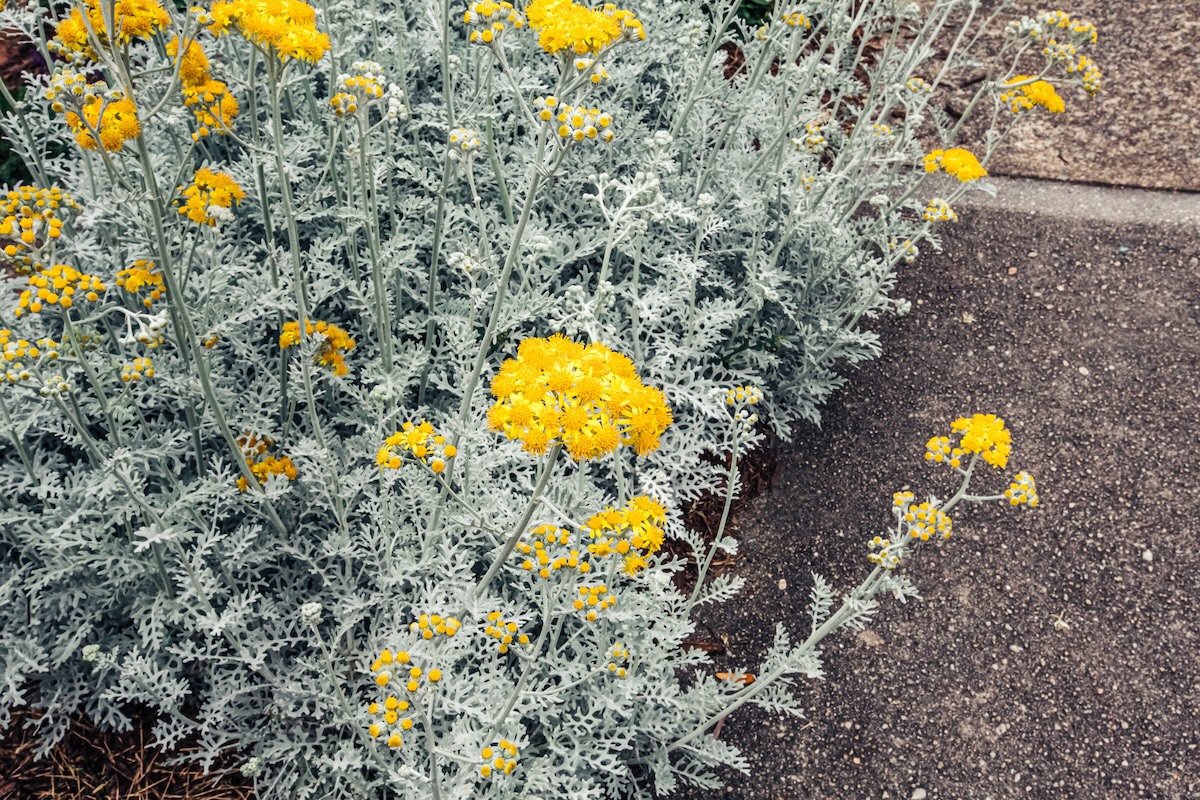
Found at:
<point>1108,204</point>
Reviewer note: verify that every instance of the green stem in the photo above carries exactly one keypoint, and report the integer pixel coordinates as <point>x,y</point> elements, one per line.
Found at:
<point>519,531</point>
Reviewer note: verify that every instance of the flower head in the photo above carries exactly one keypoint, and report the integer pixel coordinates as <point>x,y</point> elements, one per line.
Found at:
<point>586,397</point>
<point>208,193</point>
<point>567,27</point>
<point>985,435</point>
<point>957,162</point>
<point>286,28</point>
<point>60,286</point>
<point>1028,95</point>
<point>333,343</point>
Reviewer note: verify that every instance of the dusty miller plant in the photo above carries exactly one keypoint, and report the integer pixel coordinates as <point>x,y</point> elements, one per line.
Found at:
<point>265,476</point>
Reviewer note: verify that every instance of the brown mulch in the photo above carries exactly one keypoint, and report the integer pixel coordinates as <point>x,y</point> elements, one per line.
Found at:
<point>90,764</point>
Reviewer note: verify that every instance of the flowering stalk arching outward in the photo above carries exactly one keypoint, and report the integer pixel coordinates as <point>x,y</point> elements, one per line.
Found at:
<point>586,397</point>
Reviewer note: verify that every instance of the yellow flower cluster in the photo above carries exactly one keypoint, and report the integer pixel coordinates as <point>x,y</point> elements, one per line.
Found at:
<point>387,663</point>
<point>111,116</point>
<point>15,350</point>
<point>488,19</point>
<point>957,162</point>
<point>565,26</point>
<point>390,721</point>
<point>255,447</point>
<point>210,101</point>
<point>882,131</point>
<point>583,65</point>
<point>885,557</point>
<point>797,20</point>
<point>32,217</point>
<point>1038,93</point>
<point>594,599</point>
<point>536,555</point>
<point>986,435</point>
<point>427,625</point>
<point>618,660</point>
<point>1077,29</point>
<point>925,520</point>
<point>504,631</point>
<point>208,192</point>
<point>142,276</point>
<point>574,123</point>
<point>285,28</point>
<point>329,353</point>
<point>633,532</point>
<point>134,19</point>
<point>422,441</point>
<point>938,210</point>
<point>1022,491</point>
<point>58,286</point>
<point>495,763</point>
<point>587,397</point>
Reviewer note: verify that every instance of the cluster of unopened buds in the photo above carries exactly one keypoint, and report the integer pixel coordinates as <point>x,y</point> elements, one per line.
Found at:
<point>505,632</point>
<point>54,386</point>
<point>739,398</point>
<point>907,250</point>
<point>544,561</point>
<point>586,65</point>
<point>16,350</point>
<point>918,86</point>
<point>494,760</point>
<point>488,19</point>
<point>574,123</point>
<point>358,89</point>
<point>924,520</point>
<point>428,625</point>
<point>388,666</point>
<point>938,210</point>
<point>882,131</point>
<point>594,599</point>
<point>813,140</point>
<point>618,660</point>
<point>149,332</point>
<point>138,369</point>
<point>464,141</point>
<point>1022,491</point>
<point>884,557</point>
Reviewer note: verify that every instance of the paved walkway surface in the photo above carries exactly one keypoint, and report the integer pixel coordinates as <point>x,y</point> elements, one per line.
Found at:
<point>1141,130</point>
<point>1054,654</point>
